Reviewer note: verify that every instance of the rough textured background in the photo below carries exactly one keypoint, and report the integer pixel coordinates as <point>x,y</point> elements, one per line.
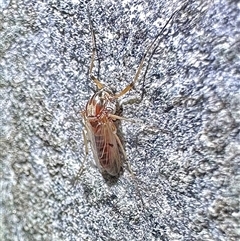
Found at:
<point>185,153</point>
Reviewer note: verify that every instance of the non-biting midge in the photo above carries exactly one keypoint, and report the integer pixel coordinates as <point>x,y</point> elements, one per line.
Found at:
<point>99,117</point>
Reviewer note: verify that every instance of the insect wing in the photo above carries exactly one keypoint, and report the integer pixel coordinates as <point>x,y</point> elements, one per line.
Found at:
<point>111,157</point>
<point>105,148</point>
<point>91,139</point>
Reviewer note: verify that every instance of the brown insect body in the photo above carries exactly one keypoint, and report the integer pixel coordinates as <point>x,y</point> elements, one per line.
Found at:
<point>102,132</point>
<point>101,102</point>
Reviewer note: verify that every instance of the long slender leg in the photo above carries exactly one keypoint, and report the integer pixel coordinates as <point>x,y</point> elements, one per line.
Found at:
<point>95,80</point>
<point>116,117</point>
<point>130,86</point>
<point>81,169</point>
<point>129,167</point>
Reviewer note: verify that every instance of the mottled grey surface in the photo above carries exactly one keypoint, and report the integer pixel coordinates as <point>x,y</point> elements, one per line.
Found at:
<point>184,151</point>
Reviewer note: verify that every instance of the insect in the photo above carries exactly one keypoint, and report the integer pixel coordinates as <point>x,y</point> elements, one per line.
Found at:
<point>99,117</point>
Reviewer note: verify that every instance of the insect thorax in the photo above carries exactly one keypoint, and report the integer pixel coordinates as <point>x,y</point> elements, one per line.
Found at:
<point>101,103</point>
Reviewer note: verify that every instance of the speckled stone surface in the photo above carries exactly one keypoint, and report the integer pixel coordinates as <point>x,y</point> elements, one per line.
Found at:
<point>184,148</point>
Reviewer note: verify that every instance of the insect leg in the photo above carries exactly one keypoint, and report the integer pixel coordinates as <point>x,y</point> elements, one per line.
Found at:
<point>121,146</point>
<point>116,117</point>
<point>94,79</point>
<point>128,166</point>
<point>81,169</point>
<point>130,86</point>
